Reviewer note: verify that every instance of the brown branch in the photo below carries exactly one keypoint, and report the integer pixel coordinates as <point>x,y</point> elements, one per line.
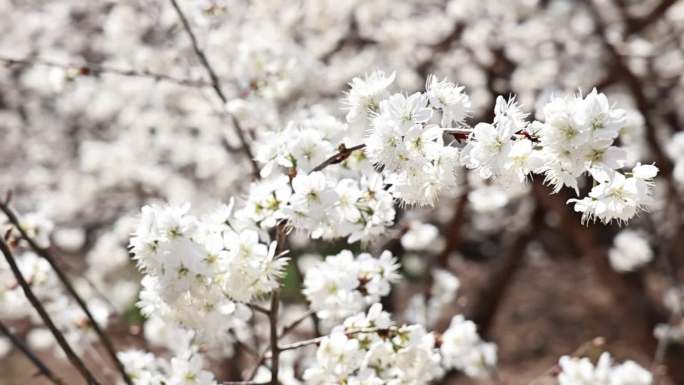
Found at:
<point>216,85</point>
<point>61,340</point>
<point>635,26</point>
<point>94,70</point>
<point>287,329</point>
<point>342,154</point>
<point>281,240</point>
<point>19,344</point>
<point>351,38</point>
<point>491,296</point>
<point>622,71</point>
<point>45,254</point>
<point>315,341</point>
<point>626,289</point>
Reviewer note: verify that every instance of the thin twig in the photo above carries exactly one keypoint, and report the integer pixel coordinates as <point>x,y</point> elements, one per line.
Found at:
<point>91,69</point>
<point>281,239</point>
<point>215,84</point>
<point>258,308</point>
<point>314,341</point>
<point>61,340</point>
<point>19,344</point>
<point>343,152</point>
<point>287,329</point>
<point>45,254</point>
<point>260,361</point>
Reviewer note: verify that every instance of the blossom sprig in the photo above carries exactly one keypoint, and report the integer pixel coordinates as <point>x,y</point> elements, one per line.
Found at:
<point>199,272</point>
<point>344,284</point>
<point>406,141</point>
<point>185,368</point>
<point>370,348</point>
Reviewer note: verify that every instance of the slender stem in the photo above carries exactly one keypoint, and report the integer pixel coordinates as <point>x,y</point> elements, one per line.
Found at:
<point>215,84</point>
<point>19,344</point>
<point>260,361</point>
<point>44,253</point>
<point>91,69</point>
<point>287,329</point>
<point>313,341</point>
<point>281,239</point>
<point>342,154</point>
<point>459,131</point>
<point>61,340</point>
<point>301,344</point>
<point>273,323</point>
<point>258,308</point>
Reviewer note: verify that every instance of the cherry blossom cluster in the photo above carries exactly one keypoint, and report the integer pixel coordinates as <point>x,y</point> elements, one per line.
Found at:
<point>630,251</point>
<point>577,137</point>
<point>370,348</point>
<point>147,369</point>
<point>581,371</point>
<point>343,284</point>
<point>463,349</point>
<point>348,200</point>
<point>406,135</point>
<point>199,272</point>
<point>406,141</point>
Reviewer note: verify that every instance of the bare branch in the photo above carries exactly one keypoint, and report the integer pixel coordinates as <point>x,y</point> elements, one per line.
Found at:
<point>281,239</point>
<point>61,340</point>
<point>91,69</point>
<point>287,329</point>
<point>342,153</point>
<point>215,84</point>
<point>19,344</point>
<point>44,253</point>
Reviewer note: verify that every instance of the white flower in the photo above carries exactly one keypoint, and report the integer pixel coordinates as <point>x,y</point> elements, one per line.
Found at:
<point>581,371</point>
<point>188,370</point>
<point>463,349</point>
<point>343,285</point>
<point>406,111</point>
<point>488,148</point>
<point>369,349</point>
<point>630,251</point>
<point>449,98</point>
<point>618,197</point>
<point>194,269</point>
<point>365,94</point>
<point>420,236</point>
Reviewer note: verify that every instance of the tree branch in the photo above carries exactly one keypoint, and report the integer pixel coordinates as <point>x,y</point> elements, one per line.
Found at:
<point>281,239</point>
<point>342,153</point>
<point>19,344</point>
<point>61,340</point>
<point>91,69</point>
<point>44,253</point>
<point>216,85</point>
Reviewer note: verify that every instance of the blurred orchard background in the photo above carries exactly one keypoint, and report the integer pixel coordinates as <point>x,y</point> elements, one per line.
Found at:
<point>105,107</point>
